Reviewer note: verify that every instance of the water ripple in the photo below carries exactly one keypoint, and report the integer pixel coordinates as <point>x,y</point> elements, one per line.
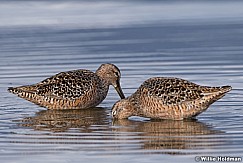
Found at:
<point>208,54</point>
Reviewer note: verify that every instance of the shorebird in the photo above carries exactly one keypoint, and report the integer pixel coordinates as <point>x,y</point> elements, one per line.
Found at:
<point>168,98</point>
<point>77,89</point>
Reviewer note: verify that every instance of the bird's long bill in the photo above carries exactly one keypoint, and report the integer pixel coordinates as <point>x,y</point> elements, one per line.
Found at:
<point>119,90</point>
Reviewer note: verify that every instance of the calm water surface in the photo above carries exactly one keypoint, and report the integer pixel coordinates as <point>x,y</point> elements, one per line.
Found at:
<point>208,51</point>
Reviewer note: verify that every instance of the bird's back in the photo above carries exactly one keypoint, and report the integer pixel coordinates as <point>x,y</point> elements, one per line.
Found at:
<point>174,98</point>
<point>72,89</point>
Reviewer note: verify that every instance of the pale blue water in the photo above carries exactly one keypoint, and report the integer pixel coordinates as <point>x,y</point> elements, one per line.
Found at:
<point>199,41</point>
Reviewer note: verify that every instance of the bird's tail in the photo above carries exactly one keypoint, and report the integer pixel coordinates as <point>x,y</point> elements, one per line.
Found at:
<point>215,93</point>
<point>22,91</point>
<point>225,89</point>
<point>13,90</point>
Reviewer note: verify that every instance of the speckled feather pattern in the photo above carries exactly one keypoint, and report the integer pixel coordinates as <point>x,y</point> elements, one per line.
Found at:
<point>68,85</point>
<point>65,90</point>
<point>174,91</point>
<point>75,89</point>
<point>168,98</point>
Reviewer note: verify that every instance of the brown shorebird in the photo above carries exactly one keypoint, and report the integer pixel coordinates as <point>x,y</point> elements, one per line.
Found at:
<point>168,98</point>
<point>76,89</point>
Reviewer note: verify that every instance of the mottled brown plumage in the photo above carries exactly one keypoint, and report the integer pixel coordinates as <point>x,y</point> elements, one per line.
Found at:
<point>168,98</point>
<point>76,89</point>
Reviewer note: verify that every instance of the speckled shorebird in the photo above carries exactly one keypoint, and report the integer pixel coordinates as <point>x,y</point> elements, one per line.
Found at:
<point>168,98</point>
<point>76,89</point>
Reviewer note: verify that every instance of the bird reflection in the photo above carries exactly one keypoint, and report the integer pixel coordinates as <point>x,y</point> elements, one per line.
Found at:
<point>62,120</point>
<point>170,134</point>
<point>163,136</point>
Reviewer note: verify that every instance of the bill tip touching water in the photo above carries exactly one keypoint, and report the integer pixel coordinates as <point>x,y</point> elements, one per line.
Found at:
<point>77,89</point>
<point>168,98</point>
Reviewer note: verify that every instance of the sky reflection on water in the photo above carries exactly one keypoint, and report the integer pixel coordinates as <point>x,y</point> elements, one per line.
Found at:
<point>198,41</point>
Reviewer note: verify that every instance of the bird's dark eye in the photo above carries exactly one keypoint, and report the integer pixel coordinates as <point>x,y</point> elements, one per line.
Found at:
<point>114,113</point>
<point>117,74</point>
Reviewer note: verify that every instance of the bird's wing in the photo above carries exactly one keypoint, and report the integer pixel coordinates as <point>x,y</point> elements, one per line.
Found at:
<point>66,85</point>
<point>172,90</point>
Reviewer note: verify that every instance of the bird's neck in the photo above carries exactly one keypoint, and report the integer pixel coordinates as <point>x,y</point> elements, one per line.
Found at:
<point>102,75</point>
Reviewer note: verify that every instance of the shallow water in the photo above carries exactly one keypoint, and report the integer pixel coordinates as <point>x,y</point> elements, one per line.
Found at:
<point>204,48</point>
